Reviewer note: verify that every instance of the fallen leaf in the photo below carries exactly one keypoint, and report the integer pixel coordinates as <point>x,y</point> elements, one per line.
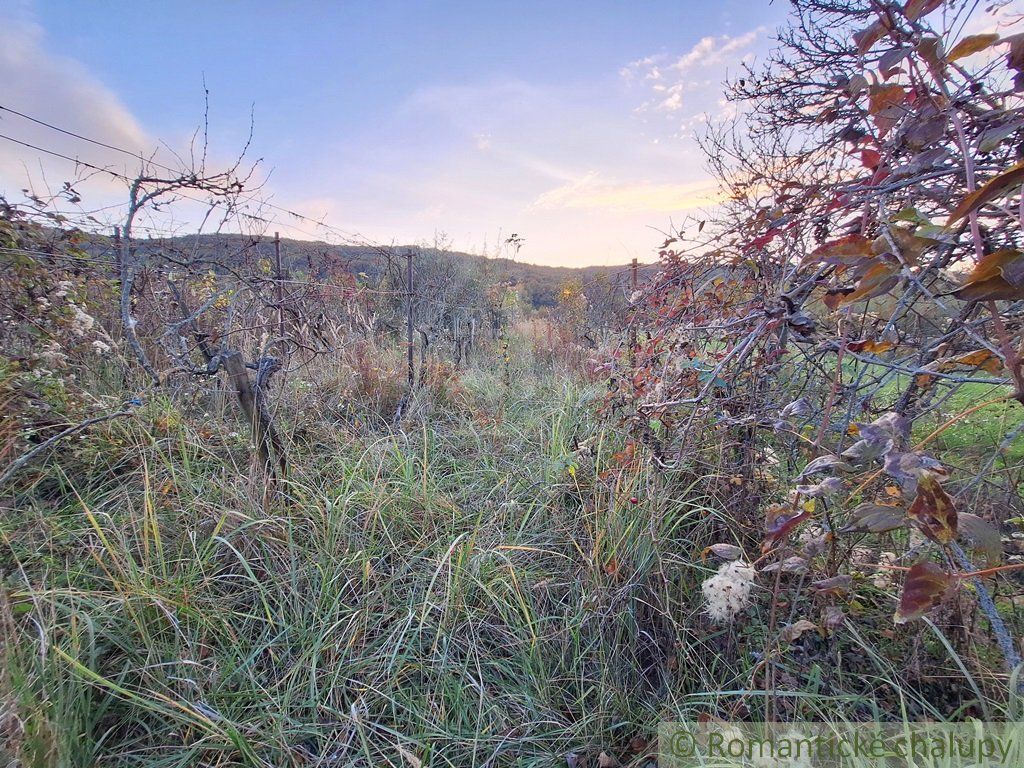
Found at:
<point>793,631</point>
<point>870,345</point>
<point>835,586</point>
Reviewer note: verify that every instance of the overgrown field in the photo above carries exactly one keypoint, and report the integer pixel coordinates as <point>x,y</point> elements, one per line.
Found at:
<point>498,583</point>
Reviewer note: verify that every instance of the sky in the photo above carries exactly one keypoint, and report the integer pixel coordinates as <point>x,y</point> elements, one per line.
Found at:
<point>570,124</point>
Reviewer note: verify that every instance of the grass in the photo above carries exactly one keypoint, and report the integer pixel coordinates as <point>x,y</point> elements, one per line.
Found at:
<point>476,590</point>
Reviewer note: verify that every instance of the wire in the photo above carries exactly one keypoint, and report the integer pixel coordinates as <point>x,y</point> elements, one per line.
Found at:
<point>140,156</point>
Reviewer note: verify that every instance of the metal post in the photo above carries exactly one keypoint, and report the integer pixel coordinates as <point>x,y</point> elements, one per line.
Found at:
<point>280,285</point>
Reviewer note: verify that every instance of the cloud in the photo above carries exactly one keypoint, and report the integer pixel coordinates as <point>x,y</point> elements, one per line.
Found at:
<point>590,192</point>
<point>715,50</point>
<point>58,90</point>
<point>693,78</point>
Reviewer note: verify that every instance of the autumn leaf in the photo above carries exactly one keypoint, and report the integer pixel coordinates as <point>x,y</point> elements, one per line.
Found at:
<point>981,536</point>
<point>780,519</point>
<point>846,250</point>
<point>924,381</point>
<point>724,551</point>
<point>930,49</point>
<point>985,359</point>
<point>997,275</point>
<point>882,96</point>
<point>833,587</point>
<point>868,36</point>
<point>885,105</point>
<point>972,44</point>
<point>793,631</point>
<point>933,510</point>
<point>915,9</point>
<point>874,518</point>
<point>993,189</point>
<point>879,279</point>
<point>869,345</point>
<point>870,158</point>
<point>990,140</point>
<point>924,588</point>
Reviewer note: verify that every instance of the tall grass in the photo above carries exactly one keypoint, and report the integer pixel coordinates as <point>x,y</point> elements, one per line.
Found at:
<point>489,585</point>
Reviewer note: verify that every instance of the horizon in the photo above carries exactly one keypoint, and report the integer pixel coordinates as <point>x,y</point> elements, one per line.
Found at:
<point>575,130</point>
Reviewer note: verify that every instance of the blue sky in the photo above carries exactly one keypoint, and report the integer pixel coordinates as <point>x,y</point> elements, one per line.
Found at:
<point>569,123</point>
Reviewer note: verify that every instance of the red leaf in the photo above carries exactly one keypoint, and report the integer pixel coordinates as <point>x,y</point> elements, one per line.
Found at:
<point>924,588</point>
<point>870,158</point>
<point>933,510</point>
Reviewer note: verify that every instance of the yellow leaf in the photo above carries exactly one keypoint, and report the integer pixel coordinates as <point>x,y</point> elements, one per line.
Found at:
<point>993,189</point>
<point>972,44</point>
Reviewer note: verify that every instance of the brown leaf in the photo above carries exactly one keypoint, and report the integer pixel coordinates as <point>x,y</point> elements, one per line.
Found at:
<point>990,140</point>
<point>882,96</point>
<point>981,536</point>
<point>832,618</point>
<point>846,250</point>
<point>878,279</point>
<point>933,510</point>
<point>915,9</point>
<point>874,518</point>
<point>886,106</point>
<point>924,588</point>
<point>930,49</point>
<point>869,345</point>
<point>837,585</point>
<point>890,60</point>
<point>984,359</point>
<point>780,519</point>
<point>724,551</point>
<point>868,36</point>
<point>993,189</point>
<point>792,632</point>
<point>972,44</point>
<point>997,275</point>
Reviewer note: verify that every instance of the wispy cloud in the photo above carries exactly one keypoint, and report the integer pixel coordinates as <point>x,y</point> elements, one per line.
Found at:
<point>683,82</point>
<point>591,192</point>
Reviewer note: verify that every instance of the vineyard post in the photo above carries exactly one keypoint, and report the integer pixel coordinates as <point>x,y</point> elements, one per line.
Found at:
<point>409,319</point>
<point>632,320</point>
<point>280,285</point>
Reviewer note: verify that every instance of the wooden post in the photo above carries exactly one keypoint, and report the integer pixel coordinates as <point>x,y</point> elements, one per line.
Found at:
<point>409,319</point>
<point>263,433</point>
<point>280,285</point>
<point>632,319</point>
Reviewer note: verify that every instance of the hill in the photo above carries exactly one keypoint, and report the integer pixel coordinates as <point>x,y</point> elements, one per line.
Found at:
<point>305,257</point>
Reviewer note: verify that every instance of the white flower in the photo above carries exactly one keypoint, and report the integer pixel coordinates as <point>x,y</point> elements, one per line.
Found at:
<point>728,592</point>
<point>63,288</point>
<point>82,322</point>
<point>52,355</point>
<point>101,347</point>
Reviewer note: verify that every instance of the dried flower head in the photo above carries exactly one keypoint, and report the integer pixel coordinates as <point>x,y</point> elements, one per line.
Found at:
<point>728,592</point>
